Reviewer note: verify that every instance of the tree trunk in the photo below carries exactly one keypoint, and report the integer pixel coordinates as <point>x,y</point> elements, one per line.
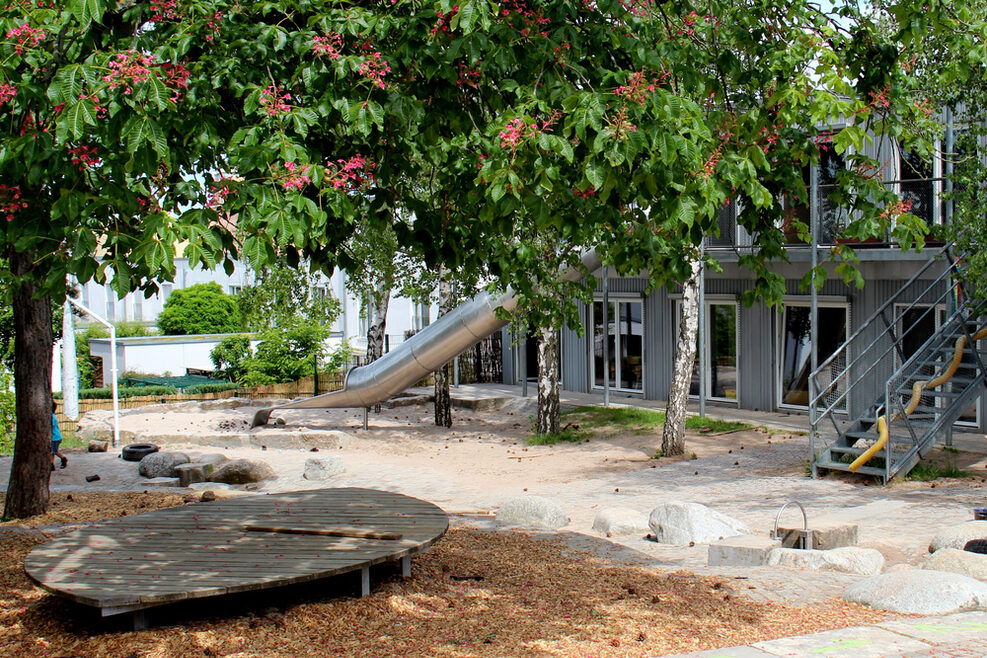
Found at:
<point>673,435</point>
<point>443,399</point>
<point>549,408</point>
<point>27,489</point>
<point>377,324</point>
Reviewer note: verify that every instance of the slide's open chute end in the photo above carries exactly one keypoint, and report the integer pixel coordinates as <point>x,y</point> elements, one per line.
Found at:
<point>261,417</point>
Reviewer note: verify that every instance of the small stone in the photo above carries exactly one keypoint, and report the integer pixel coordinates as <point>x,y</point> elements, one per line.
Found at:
<point>920,592</point>
<point>533,511</point>
<point>96,445</point>
<point>957,536</point>
<point>92,478</point>
<point>279,421</point>
<point>193,472</point>
<point>207,496</point>
<point>323,468</point>
<point>681,523</point>
<point>958,561</point>
<point>615,521</point>
<point>242,471</point>
<point>161,464</point>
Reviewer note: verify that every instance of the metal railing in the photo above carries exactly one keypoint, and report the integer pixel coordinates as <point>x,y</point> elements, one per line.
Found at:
<point>875,341</point>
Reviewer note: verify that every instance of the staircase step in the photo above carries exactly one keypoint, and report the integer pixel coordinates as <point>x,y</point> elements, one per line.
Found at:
<point>839,466</point>
<point>848,450</point>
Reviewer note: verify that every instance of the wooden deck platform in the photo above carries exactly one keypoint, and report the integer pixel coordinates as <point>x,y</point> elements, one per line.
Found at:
<point>133,563</point>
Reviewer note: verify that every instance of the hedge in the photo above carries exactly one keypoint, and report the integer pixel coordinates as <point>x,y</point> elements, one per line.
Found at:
<point>122,392</point>
<point>218,387</point>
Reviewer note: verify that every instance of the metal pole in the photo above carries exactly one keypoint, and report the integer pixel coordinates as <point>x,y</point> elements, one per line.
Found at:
<point>813,311</point>
<point>113,365</point>
<point>606,338</point>
<point>455,372</point>
<point>703,333</point>
<point>523,364</point>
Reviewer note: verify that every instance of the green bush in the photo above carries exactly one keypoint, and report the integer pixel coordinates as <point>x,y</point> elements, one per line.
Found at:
<point>218,387</point>
<point>200,309</point>
<point>285,355</point>
<point>7,412</point>
<point>229,357</point>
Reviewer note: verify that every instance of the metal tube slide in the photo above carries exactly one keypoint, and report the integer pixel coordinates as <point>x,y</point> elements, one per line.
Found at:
<point>423,353</point>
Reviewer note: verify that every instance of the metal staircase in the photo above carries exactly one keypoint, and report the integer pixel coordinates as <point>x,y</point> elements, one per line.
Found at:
<point>917,389</point>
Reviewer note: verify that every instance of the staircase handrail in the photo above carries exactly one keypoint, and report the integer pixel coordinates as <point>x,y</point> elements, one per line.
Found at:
<point>890,301</point>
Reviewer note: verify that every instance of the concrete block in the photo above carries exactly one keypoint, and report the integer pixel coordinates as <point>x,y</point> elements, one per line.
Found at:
<point>741,551</point>
<point>193,472</point>
<point>160,482</point>
<point>826,534</point>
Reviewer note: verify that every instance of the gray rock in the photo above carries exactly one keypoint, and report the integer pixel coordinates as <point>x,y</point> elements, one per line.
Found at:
<point>213,458</point>
<point>193,472</point>
<point>920,592</point>
<point>95,445</point>
<point>323,468</point>
<point>533,511</point>
<point>207,496</point>
<point>958,535</point>
<point>206,486</point>
<point>242,471</point>
<point>620,521</point>
<point>846,559</point>
<point>226,403</point>
<point>161,482</point>
<point>958,561</point>
<point>682,523</point>
<point>161,464</point>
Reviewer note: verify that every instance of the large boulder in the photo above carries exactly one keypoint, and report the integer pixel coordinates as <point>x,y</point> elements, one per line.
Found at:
<point>920,592</point>
<point>954,560</point>
<point>532,511</point>
<point>684,523</point>
<point>161,464</point>
<point>846,559</point>
<point>323,468</point>
<point>958,535</point>
<point>615,521</point>
<point>242,471</point>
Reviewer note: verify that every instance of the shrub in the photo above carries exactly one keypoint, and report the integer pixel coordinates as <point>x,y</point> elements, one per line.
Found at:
<point>200,309</point>
<point>285,355</point>
<point>218,387</point>
<point>230,356</point>
<point>7,412</point>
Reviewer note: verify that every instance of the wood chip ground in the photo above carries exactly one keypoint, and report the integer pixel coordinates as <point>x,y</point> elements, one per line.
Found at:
<point>475,593</point>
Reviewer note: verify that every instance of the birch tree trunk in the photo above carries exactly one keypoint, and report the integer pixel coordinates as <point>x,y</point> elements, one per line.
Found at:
<point>443,399</point>
<point>27,488</point>
<point>673,434</point>
<point>549,409</point>
<point>377,323</point>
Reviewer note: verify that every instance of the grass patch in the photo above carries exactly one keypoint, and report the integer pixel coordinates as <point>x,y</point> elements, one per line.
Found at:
<point>627,418</point>
<point>709,425</point>
<point>927,471</point>
<point>69,440</point>
<point>566,435</point>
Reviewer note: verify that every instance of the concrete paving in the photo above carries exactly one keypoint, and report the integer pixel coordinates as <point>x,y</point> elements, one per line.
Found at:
<point>963,634</point>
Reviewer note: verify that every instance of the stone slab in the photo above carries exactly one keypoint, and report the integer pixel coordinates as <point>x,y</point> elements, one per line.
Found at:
<point>727,652</point>
<point>741,551</point>
<point>948,630</point>
<point>855,642</point>
<point>160,482</point>
<point>825,535</point>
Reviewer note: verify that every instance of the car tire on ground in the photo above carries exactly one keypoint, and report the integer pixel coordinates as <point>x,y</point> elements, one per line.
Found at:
<point>137,451</point>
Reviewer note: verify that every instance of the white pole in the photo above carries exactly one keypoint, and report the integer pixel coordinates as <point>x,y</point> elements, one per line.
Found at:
<point>116,397</point>
<point>113,365</point>
<point>70,370</point>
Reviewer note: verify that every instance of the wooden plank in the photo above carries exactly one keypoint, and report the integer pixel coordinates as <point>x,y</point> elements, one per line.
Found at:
<point>326,532</point>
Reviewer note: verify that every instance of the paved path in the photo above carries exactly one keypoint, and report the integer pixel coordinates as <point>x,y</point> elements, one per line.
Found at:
<point>959,635</point>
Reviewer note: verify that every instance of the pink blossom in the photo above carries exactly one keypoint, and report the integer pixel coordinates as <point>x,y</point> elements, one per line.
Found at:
<point>273,101</point>
<point>10,201</point>
<point>350,174</point>
<point>7,92</point>
<point>164,10</point>
<point>84,156</point>
<point>25,37</point>
<point>329,46</point>
<point>127,69</point>
<point>374,68</point>
<point>297,176</point>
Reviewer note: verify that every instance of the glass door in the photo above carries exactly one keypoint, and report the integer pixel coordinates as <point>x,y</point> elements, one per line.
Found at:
<point>796,349</point>
<point>721,350</point>
<point>624,336</point>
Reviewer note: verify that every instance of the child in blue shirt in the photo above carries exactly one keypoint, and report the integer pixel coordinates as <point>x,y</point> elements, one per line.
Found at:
<point>56,440</point>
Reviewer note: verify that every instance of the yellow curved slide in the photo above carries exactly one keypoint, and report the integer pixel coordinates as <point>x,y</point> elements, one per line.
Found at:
<point>917,389</point>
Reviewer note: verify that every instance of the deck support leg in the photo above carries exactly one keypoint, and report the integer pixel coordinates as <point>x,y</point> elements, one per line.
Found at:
<point>406,566</point>
<point>364,581</point>
<point>139,620</point>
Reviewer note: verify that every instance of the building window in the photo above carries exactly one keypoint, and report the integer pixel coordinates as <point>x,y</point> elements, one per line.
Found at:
<point>832,217</point>
<point>624,334</point>
<point>918,186</point>
<point>138,306</point>
<point>796,349</point>
<point>236,290</point>
<point>110,306</point>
